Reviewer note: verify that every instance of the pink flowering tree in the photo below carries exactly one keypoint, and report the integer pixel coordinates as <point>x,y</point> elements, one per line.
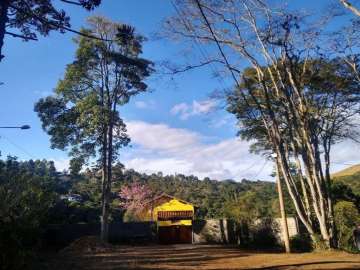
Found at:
<point>133,198</point>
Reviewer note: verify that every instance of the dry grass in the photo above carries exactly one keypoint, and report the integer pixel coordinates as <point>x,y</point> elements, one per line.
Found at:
<point>197,257</point>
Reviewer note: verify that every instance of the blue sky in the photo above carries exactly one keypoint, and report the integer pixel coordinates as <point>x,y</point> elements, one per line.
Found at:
<point>174,128</point>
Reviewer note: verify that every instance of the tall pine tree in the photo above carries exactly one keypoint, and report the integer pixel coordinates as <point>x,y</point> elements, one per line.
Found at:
<point>83,114</point>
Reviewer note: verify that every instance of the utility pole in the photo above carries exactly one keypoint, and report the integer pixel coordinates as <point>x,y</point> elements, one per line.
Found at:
<point>285,229</point>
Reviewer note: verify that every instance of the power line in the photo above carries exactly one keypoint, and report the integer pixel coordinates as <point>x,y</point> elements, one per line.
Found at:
<point>248,168</point>
<point>18,147</point>
<point>199,46</point>
<point>340,163</point>
<point>262,168</point>
<point>217,43</point>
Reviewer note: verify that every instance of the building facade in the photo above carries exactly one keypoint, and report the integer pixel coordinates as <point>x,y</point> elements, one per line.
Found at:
<point>173,216</point>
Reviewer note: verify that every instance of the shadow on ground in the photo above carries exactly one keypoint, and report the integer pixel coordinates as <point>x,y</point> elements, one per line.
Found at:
<point>197,257</point>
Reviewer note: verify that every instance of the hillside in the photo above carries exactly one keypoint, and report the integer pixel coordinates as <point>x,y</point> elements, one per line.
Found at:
<point>210,196</point>
<point>349,176</point>
<point>348,171</point>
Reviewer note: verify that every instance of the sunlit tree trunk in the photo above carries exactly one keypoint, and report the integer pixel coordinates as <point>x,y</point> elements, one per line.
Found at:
<point>285,229</point>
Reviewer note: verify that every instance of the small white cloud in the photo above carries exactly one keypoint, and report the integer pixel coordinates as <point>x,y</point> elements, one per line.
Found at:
<point>203,107</point>
<point>181,109</point>
<point>185,110</point>
<point>42,93</point>
<point>145,104</point>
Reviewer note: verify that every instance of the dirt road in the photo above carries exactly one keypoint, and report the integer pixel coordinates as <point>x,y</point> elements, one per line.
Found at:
<point>198,257</point>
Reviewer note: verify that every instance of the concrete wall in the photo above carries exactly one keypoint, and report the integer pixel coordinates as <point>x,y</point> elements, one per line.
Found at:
<point>221,231</point>
<point>224,231</point>
<point>293,227</point>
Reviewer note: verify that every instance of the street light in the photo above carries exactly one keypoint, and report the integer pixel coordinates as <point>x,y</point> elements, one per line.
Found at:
<point>19,127</point>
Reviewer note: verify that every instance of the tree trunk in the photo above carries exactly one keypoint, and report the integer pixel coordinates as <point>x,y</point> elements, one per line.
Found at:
<point>333,228</point>
<point>4,6</point>
<point>109,176</point>
<point>285,229</point>
<point>104,234</point>
<point>303,187</point>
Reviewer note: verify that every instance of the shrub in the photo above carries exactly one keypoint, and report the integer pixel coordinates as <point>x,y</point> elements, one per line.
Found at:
<point>264,234</point>
<point>24,202</point>
<point>346,218</point>
<point>301,243</point>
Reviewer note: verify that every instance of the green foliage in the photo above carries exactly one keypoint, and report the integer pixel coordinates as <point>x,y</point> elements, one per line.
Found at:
<point>103,76</point>
<point>213,199</point>
<point>26,195</point>
<point>352,181</point>
<point>326,82</point>
<point>249,206</point>
<point>343,192</point>
<point>347,217</point>
<point>36,17</point>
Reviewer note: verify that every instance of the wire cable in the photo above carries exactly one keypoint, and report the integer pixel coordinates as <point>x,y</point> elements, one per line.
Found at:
<point>18,147</point>
<point>262,168</point>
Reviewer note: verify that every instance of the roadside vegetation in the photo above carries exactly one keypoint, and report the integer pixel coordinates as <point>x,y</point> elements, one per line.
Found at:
<point>32,197</point>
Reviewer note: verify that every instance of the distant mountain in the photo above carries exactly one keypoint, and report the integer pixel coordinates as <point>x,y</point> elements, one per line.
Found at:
<point>350,177</point>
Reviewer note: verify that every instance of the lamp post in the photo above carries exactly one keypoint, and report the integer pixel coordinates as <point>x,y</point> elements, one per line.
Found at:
<point>19,127</point>
<point>285,229</point>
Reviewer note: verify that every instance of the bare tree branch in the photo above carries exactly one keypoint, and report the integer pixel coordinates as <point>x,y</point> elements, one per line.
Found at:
<point>71,2</point>
<point>350,7</point>
<point>20,36</point>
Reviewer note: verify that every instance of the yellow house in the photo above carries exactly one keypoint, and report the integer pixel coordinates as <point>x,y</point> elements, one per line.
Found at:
<point>173,217</point>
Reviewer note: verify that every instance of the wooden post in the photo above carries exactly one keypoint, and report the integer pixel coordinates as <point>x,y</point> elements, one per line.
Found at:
<point>285,229</point>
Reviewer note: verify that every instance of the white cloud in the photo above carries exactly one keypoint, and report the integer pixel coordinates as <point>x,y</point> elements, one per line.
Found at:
<point>160,136</point>
<point>175,150</point>
<point>166,165</point>
<point>61,164</point>
<point>185,110</point>
<point>145,104</point>
<point>227,120</point>
<point>345,154</point>
<point>172,150</point>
